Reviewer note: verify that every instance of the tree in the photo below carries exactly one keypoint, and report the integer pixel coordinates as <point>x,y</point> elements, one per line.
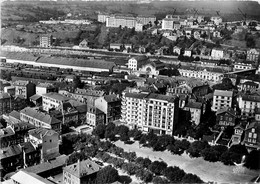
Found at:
<point>107,175</point>
<point>253,160</point>
<point>157,167</point>
<point>196,147</point>
<point>191,178</point>
<point>174,174</point>
<point>77,83</point>
<point>159,180</point>
<point>137,135</point>
<point>210,154</point>
<point>144,175</point>
<point>130,168</point>
<point>100,131</point>
<point>250,42</point>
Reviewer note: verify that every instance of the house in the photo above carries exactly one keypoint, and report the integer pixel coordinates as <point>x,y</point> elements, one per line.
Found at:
<point>252,136</point>
<point>110,105</point>
<point>94,116</point>
<point>221,99</point>
<point>116,46</point>
<point>11,158</point>
<point>24,88</point>
<point>237,136</point>
<point>217,53</point>
<point>43,88</point>
<point>14,117</point>
<point>70,78</point>
<point>5,103</point>
<point>23,177</point>
<point>176,25</point>
<point>31,154</point>
<point>139,27</point>
<point>187,52</point>
<point>252,55</point>
<point>36,100</point>
<point>177,50</point>
<point>142,49</point>
<point>195,109</point>
<point>226,117</point>
<point>53,100</point>
<point>188,32</point>
<point>128,46</point>
<point>217,20</point>
<point>84,44</point>
<point>80,172</point>
<point>40,119</point>
<point>46,140</point>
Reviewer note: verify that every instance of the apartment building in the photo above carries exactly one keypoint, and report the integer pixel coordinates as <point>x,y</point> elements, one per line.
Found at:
<point>217,53</point>
<point>119,20</point>
<point>43,88</point>
<point>102,17</point>
<point>40,119</point>
<point>5,103</point>
<point>142,19</point>
<point>47,140</point>
<point>94,116</point>
<point>195,109</point>
<point>24,88</point>
<point>46,40</point>
<point>248,103</point>
<point>222,99</point>
<point>252,55</point>
<point>110,105</point>
<point>150,112</point>
<point>53,100</point>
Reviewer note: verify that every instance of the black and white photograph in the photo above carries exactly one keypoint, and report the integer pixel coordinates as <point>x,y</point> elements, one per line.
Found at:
<point>129,91</point>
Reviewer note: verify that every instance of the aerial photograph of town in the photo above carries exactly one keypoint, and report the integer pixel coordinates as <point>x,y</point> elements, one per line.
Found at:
<point>129,91</point>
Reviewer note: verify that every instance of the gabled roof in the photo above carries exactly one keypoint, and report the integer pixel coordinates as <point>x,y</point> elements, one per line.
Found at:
<point>28,147</point>
<point>35,97</point>
<point>136,95</point>
<point>41,132</point>
<point>22,126</point>
<point>10,151</point>
<point>14,114</point>
<point>41,116</point>
<point>56,96</point>
<point>161,97</point>
<point>226,109</point>
<point>4,95</point>
<point>83,168</point>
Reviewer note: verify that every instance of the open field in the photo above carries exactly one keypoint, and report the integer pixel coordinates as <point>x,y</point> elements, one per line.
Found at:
<point>207,171</point>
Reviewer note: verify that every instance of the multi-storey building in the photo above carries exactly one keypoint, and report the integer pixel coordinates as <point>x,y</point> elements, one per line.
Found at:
<point>150,112</point>
<point>47,140</point>
<point>145,19</point>
<point>43,88</point>
<point>23,177</point>
<point>226,117</point>
<point>110,105</point>
<point>40,119</point>
<point>10,90</point>
<point>24,88</point>
<point>53,100</point>
<point>252,136</point>
<point>217,53</point>
<point>102,17</point>
<point>222,99</point>
<point>195,109</point>
<point>243,65</point>
<point>46,40</point>
<point>5,103</point>
<point>119,20</point>
<point>253,55</point>
<point>168,22</point>
<point>248,104</point>
<point>81,172</point>
<point>94,116</point>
